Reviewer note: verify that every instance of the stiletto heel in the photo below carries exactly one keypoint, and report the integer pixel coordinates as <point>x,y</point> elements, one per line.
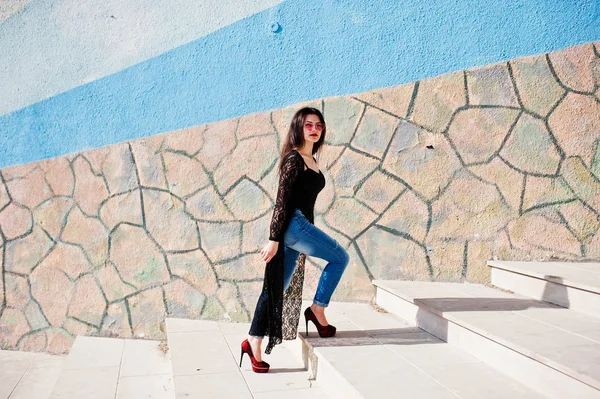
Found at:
<point>305,319</point>
<point>324,331</point>
<point>257,367</point>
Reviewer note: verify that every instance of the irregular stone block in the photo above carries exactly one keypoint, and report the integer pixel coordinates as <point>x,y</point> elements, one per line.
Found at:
<point>15,221</point>
<point>350,169</point>
<point>183,300</point>
<point>247,201</point>
<point>207,205</point>
<point>146,153</point>
<point>423,160</point>
<point>51,215</point>
<point>374,132</point>
<point>76,328</point>
<point>35,317</point>
<point>214,310</point>
<point>218,141</point>
<point>255,234</point>
<point>195,269</point>
<point>70,259</point>
<point>52,289</point>
<point>576,125</point>
<point>253,157</point>
<point>89,233</point>
<point>188,140</point>
<point>543,230</point>
<point>447,259</point>
<point>391,257</point>
<point>87,303</point>
<point>478,133</point>
<point>538,89</point>
<point>478,253</point>
<point>116,322</point>
<point>121,208</point>
<point>59,176</point>
<point>184,175</point>
<point>582,221</point>
<point>468,210</point>
<point>119,169</point>
<point>24,254</point>
<point>35,342</point>
<point>4,198</point>
<point>255,125</point>
<point>491,85</point>
<point>220,240</point>
<point>31,189</point>
<point>379,190</point>
<point>245,267</point>
<point>349,216</point>
<point>138,260</point>
<point>395,100</point>
<point>573,66</point>
<point>355,284</point>
<point>530,147</point>
<point>90,189</point>
<point>229,298</point>
<point>13,326</point>
<point>341,117</point>
<point>540,191</point>
<point>16,290</point>
<point>582,182</point>
<point>147,314</point>
<point>249,293</point>
<point>407,215</point>
<point>113,286</point>
<point>59,341</point>
<point>167,221</point>
<point>437,99</point>
<point>18,171</point>
<point>508,180</point>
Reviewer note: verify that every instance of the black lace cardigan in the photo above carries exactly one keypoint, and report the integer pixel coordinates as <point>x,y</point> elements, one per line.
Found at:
<point>297,189</point>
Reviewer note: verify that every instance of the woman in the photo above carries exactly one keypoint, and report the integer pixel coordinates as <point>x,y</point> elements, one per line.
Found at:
<point>293,232</point>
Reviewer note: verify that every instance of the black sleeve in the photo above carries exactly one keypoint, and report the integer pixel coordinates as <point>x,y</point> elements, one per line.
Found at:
<point>293,165</point>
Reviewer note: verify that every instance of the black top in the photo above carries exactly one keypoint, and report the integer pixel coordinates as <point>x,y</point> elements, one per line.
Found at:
<point>298,188</point>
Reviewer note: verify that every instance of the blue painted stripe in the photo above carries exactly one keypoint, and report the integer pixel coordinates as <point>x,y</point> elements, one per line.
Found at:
<point>324,48</point>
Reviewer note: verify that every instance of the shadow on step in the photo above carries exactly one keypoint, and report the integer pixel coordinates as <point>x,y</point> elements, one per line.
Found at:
<point>441,305</point>
<point>392,336</point>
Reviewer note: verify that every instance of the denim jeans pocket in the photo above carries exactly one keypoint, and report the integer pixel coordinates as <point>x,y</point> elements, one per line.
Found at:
<point>291,235</point>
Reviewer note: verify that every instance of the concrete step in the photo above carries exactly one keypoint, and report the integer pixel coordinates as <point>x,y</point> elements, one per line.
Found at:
<point>28,375</point>
<point>205,361</point>
<point>105,368</point>
<point>375,354</point>
<point>571,285</point>
<point>553,350</point>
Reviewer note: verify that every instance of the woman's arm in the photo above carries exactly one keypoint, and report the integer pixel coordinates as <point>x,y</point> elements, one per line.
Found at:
<point>292,167</point>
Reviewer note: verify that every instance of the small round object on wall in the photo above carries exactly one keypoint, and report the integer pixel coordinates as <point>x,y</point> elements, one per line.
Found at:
<point>274,27</point>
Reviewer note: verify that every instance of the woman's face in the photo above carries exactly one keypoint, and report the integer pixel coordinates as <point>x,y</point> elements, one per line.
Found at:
<point>313,127</point>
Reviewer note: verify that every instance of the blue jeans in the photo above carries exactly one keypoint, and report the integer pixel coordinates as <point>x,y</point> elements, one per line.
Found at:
<point>304,237</point>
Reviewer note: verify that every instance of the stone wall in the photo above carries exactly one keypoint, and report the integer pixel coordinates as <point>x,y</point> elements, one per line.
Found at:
<point>424,181</point>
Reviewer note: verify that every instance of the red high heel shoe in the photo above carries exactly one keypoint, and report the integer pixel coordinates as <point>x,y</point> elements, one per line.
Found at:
<point>324,331</point>
<point>257,367</point>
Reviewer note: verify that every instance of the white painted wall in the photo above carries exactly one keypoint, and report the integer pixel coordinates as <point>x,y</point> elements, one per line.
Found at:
<point>56,45</point>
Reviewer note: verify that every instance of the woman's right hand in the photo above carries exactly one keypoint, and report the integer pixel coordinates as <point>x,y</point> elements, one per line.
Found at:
<point>269,250</point>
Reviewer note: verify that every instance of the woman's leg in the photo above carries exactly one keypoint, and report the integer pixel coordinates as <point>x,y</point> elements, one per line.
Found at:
<point>260,320</point>
<point>313,241</point>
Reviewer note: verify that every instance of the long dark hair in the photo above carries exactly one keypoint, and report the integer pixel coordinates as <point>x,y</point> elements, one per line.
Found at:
<point>295,135</point>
